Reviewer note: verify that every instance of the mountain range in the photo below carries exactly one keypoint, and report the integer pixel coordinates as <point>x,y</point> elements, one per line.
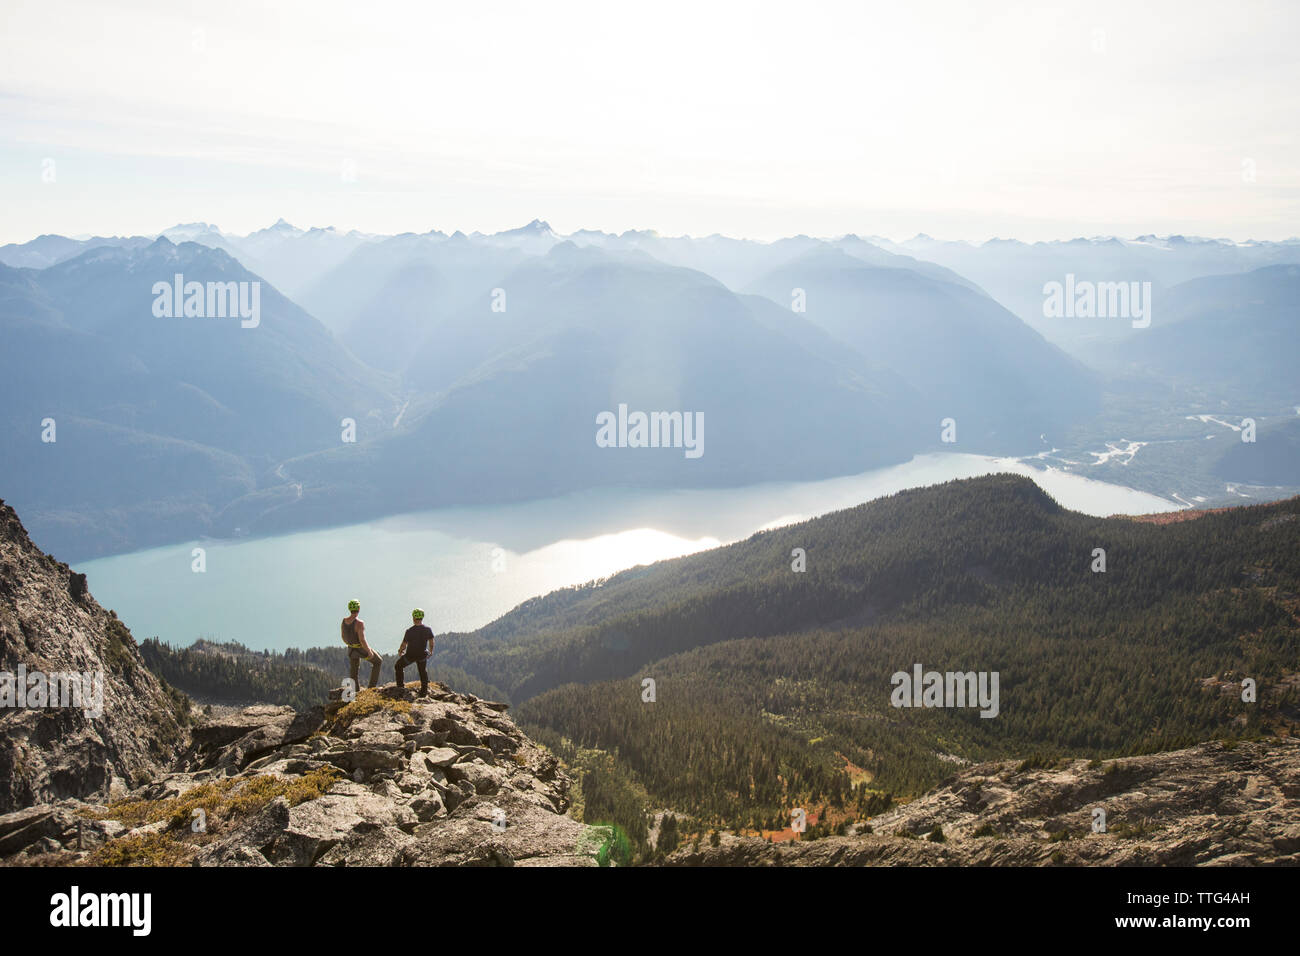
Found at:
<point>1015,272</point>
<point>392,374</point>
<point>158,423</point>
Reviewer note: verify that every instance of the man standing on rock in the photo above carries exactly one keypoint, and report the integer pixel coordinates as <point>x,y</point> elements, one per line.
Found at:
<point>354,636</point>
<point>417,638</point>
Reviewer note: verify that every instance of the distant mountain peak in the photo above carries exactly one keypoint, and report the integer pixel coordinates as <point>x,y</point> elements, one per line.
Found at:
<point>190,230</point>
<point>568,251</point>
<point>538,227</point>
<point>193,225</point>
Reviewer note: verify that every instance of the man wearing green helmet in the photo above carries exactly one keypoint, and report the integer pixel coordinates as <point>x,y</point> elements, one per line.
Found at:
<point>354,636</point>
<point>417,638</point>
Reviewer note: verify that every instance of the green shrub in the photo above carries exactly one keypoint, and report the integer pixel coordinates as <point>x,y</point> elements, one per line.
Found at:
<point>1133,831</point>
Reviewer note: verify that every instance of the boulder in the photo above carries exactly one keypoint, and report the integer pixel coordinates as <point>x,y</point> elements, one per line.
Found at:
<point>264,730</point>
<point>480,776</point>
<point>439,757</point>
<point>428,804</point>
<point>367,847</point>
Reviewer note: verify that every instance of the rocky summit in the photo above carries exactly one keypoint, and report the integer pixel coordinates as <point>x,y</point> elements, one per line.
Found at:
<point>1214,804</point>
<point>387,779</point>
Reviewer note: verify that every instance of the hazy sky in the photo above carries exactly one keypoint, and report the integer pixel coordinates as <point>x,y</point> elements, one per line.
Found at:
<point>962,120</point>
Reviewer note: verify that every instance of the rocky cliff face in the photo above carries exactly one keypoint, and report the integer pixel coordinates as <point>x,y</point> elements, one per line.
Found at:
<point>384,780</point>
<point>79,712</point>
<point>1211,805</point>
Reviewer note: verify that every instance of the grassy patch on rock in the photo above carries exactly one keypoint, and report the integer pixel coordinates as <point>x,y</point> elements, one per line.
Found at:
<point>143,849</point>
<point>222,801</point>
<point>368,701</point>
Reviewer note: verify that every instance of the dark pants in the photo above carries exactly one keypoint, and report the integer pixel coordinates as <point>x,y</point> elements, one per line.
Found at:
<point>419,662</point>
<point>355,657</point>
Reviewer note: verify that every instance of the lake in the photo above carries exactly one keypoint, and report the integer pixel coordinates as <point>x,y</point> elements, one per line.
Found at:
<point>468,566</point>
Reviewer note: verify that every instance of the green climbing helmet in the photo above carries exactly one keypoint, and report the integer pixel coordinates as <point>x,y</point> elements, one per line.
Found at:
<point>418,614</point>
<point>354,605</point>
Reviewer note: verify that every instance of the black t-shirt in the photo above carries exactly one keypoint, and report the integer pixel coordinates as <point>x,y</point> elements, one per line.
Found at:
<point>417,638</point>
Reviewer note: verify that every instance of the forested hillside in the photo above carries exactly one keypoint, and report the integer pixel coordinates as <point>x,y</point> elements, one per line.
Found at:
<point>772,686</point>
